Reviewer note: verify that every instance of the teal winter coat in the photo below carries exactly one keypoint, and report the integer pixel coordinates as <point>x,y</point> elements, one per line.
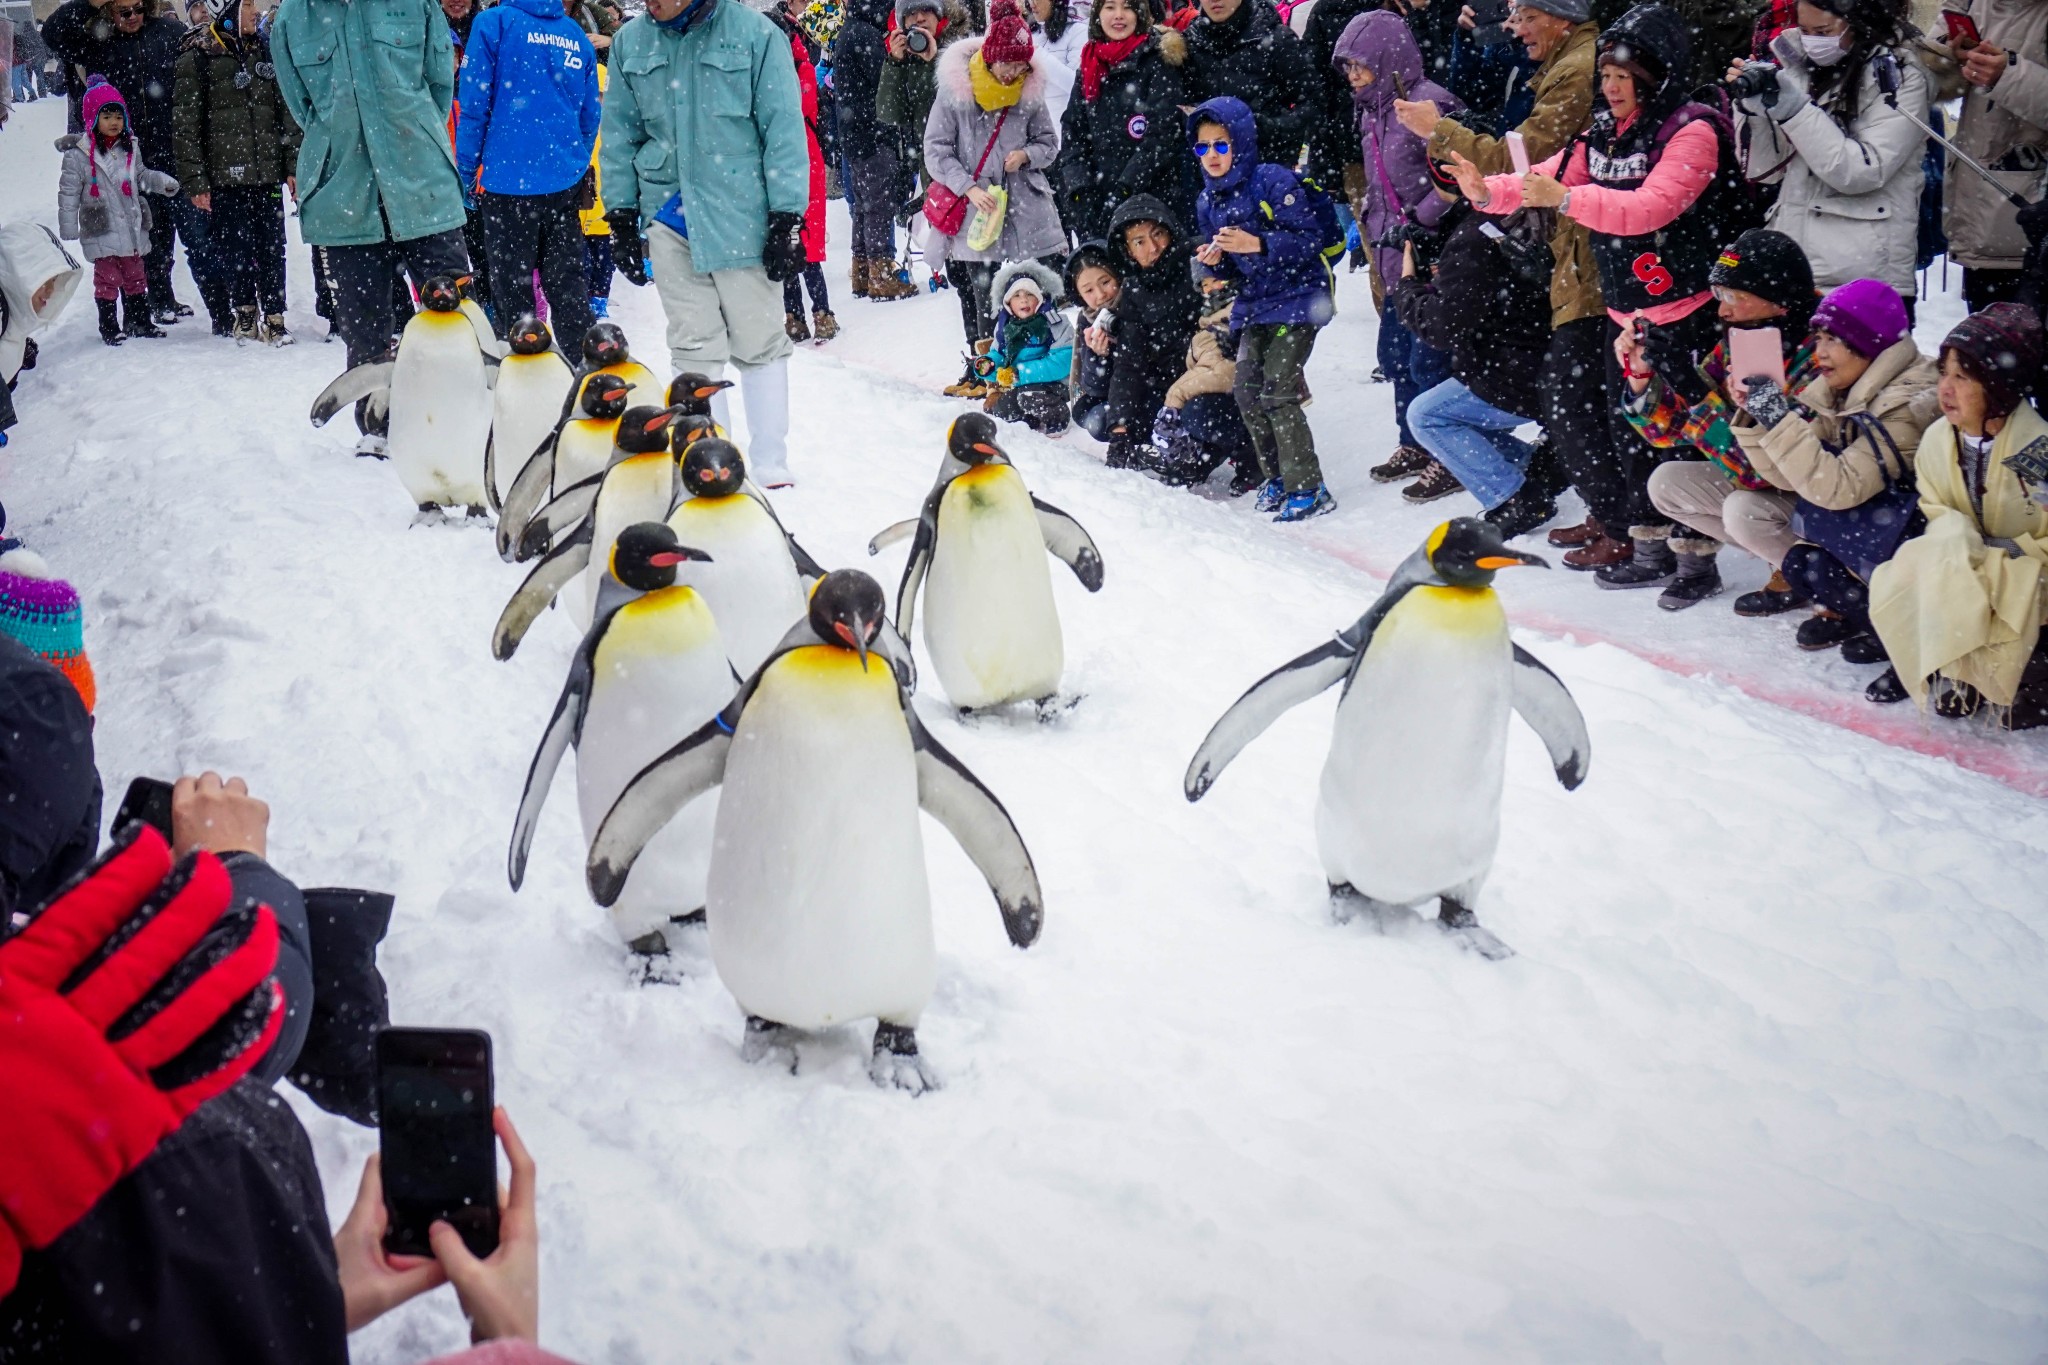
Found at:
<point>725,94</point>
<point>371,83</point>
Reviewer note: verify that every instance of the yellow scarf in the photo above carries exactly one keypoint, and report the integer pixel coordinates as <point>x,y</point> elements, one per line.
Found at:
<point>990,93</point>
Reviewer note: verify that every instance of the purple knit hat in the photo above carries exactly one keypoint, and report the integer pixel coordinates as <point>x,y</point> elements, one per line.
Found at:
<point>1867,316</point>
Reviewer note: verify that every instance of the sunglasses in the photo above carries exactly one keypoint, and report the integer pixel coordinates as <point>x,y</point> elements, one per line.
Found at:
<point>128,12</point>
<point>1204,148</point>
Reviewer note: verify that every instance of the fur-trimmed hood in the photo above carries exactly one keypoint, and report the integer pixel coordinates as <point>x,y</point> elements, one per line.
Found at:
<point>1173,48</point>
<point>1055,292</point>
<point>956,87</point>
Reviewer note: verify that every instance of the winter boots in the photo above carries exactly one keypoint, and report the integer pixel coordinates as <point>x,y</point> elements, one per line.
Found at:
<point>273,332</point>
<point>823,325</point>
<point>883,286</point>
<point>219,312</point>
<point>1772,599</point>
<point>859,277</point>
<point>110,323</point>
<point>1436,482</point>
<point>1309,502</point>
<point>1824,630</point>
<point>794,325</point>
<point>1406,463</point>
<point>970,384</point>
<point>1699,577</point>
<point>1651,563</point>
<point>245,323</point>
<point>135,316</point>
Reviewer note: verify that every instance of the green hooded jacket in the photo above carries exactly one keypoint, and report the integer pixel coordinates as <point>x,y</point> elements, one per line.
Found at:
<point>223,135</point>
<point>371,83</point>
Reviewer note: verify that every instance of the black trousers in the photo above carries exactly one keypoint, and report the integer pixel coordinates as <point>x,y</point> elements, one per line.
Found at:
<point>479,259</point>
<point>1576,403</point>
<point>1042,407</point>
<point>1982,288</point>
<point>524,233</point>
<point>1828,581</point>
<point>598,264</point>
<point>247,242</point>
<point>972,281</point>
<point>365,309</point>
<point>812,279</point>
<point>163,236</point>
<point>873,195</point>
<point>1674,350</point>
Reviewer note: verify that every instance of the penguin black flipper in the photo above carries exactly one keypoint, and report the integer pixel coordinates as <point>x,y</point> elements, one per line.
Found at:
<point>653,797</point>
<point>570,506</point>
<point>548,578</point>
<point>971,814</point>
<point>1544,701</point>
<point>565,728</point>
<point>352,386</point>
<point>889,535</point>
<point>1069,544</point>
<point>1286,687</point>
<point>523,498</point>
<point>806,567</point>
<point>920,560</point>
<point>491,471</point>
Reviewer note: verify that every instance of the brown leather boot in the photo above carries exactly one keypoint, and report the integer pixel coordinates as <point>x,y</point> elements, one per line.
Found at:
<point>883,286</point>
<point>1601,552</point>
<point>1568,537</point>
<point>859,276</point>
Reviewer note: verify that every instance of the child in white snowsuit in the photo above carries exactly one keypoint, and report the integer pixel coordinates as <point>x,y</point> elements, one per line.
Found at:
<point>100,206</point>
<point>1033,350</point>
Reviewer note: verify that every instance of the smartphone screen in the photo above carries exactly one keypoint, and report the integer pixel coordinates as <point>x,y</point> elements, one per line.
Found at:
<point>1960,26</point>
<point>1518,150</point>
<point>440,1156</point>
<point>148,800</point>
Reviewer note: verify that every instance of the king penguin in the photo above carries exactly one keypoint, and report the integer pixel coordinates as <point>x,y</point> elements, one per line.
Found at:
<point>817,902</point>
<point>650,671</point>
<point>979,554</point>
<point>755,578</point>
<point>439,402</point>
<point>642,480</point>
<point>960,439</point>
<point>580,446</point>
<point>533,385</point>
<point>605,352</point>
<point>1409,805</point>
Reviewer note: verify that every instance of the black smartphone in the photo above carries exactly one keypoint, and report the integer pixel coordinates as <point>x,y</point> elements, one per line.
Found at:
<point>440,1157</point>
<point>148,800</point>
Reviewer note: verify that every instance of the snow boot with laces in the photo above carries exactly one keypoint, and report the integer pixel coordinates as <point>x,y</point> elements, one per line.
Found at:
<point>245,323</point>
<point>1651,564</point>
<point>1699,577</point>
<point>823,325</point>
<point>797,329</point>
<point>1272,493</point>
<point>1309,502</point>
<point>859,277</point>
<point>273,331</point>
<point>1436,482</point>
<point>1405,463</point>
<point>135,317</point>
<point>110,323</point>
<point>883,286</point>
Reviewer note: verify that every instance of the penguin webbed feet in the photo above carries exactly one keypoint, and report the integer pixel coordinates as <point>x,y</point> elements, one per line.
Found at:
<point>768,1041</point>
<point>895,1062</point>
<point>1458,922</point>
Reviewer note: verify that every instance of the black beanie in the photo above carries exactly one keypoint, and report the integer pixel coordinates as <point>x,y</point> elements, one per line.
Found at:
<point>1773,267</point>
<point>2001,349</point>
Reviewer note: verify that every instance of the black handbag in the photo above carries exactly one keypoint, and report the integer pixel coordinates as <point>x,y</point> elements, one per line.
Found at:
<point>1866,535</point>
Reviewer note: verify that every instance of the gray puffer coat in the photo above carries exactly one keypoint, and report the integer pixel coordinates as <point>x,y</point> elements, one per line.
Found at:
<point>114,222</point>
<point>957,134</point>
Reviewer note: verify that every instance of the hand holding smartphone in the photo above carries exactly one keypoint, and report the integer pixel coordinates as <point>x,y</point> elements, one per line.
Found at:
<point>1962,30</point>
<point>1754,351</point>
<point>1518,151</point>
<point>149,800</point>
<point>440,1160</point>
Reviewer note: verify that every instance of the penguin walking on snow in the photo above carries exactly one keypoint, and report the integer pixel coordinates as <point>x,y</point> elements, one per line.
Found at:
<point>817,902</point>
<point>1409,805</point>
<point>979,555</point>
<point>649,672</point>
<point>960,438</point>
<point>580,446</point>
<point>526,403</point>
<point>605,352</point>
<point>439,402</point>
<point>757,572</point>
<point>641,482</point>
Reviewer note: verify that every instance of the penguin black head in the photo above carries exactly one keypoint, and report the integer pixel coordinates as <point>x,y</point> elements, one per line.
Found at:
<point>1466,551</point>
<point>605,344</point>
<point>440,295</point>
<point>972,439</point>
<point>530,336</point>
<point>645,556</point>
<point>713,467</point>
<point>689,427</point>
<point>692,393</point>
<point>604,395</point>
<point>642,431</point>
<point>847,606</point>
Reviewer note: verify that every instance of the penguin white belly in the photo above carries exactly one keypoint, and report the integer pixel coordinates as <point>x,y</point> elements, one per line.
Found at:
<point>636,490</point>
<point>525,406</point>
<point>659,674</point>
<point>751,582</point>
<point>989,619</point>
<point>440,412</point>
<point>584,448</point>
<point>819,909</point>
<point>1409,806</point>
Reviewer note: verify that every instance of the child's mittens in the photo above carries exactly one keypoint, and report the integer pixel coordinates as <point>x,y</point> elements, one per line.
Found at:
<point>1006,377</point>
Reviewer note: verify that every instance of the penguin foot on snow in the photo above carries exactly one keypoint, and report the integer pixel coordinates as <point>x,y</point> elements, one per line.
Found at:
<point>896,1062</point>
<point>1454,920</point>
<point>767,1040</point>
<point>1464,928</point>
<point>650,944</point>
<point>1046,710</point>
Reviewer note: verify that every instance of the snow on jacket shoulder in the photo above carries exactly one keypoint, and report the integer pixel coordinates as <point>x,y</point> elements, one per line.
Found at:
<point>1823,458</point>
<point>1288,281</point>
<point>529,77</point>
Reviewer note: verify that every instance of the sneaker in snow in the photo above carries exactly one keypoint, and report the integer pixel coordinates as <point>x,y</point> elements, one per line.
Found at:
<point>1309,502</point>
<point>1271,494</point>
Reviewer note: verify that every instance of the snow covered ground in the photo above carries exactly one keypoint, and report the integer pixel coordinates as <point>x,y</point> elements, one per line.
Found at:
<point>1764,1084</point>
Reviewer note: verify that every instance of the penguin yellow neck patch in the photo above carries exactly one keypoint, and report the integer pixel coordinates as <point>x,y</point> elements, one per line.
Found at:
<point>838,667</point>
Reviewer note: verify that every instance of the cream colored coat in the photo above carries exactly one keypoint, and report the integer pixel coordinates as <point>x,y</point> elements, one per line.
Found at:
<point>1799,455</point>
<point>1946,602</point>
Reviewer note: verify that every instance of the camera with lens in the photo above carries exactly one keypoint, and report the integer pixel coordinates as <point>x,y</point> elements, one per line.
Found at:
<point>917,40</point>
<point>1758,80</point>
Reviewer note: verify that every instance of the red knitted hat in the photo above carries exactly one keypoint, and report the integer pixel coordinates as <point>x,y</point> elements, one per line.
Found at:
<point>1008,39</point>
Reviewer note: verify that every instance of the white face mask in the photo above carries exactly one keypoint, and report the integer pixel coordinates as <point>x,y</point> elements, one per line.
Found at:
<point>1823,49</point>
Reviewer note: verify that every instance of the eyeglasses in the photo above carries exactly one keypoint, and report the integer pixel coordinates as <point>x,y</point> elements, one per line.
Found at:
<point>1204,148</point>
<point>128,12</point>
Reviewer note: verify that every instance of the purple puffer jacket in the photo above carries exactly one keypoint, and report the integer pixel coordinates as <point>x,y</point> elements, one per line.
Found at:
<point>1396,161</point>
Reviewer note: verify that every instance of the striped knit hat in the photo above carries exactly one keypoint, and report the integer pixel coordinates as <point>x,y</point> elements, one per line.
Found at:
<point>43,613</point>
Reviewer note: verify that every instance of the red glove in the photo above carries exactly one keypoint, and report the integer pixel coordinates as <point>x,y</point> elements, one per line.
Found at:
<point>125,1005</point>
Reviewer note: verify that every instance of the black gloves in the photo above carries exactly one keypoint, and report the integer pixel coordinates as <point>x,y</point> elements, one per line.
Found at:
<point>1765,401</point>
<point>782,255</point>
<point>629,248</point>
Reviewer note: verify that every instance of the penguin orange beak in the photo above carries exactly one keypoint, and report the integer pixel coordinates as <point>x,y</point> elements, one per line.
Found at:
<point>668,559</point>
<point>1513,559</point>
<point>855,635</point>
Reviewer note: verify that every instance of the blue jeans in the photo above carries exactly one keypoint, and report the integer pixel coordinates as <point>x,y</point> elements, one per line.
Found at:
<point>1474,439</point>
<point>1413,366</point>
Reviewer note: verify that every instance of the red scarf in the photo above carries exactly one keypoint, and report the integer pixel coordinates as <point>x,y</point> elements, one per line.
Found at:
<point>1098,58</point>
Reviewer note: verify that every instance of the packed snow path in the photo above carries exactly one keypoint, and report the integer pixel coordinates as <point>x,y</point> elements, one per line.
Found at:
<point>1764,1084</point>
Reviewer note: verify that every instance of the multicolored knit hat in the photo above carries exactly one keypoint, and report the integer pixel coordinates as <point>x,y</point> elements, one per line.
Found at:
<point>2001,349</point>
<point>43,613</point>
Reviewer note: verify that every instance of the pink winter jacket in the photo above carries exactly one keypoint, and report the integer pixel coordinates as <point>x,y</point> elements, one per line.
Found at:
<point>1678,179</point>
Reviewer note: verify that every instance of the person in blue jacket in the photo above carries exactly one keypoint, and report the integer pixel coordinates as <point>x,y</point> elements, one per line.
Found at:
<point>529,113</point>
<point>1259,228</point>
<point>1032,353</point>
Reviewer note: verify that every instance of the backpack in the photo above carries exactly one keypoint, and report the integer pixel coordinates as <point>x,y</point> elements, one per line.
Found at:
<point>1329,225</point>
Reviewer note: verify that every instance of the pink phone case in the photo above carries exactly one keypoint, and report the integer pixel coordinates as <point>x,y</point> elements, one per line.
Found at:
<point>1519,150</point>
<point>1756,350</point>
